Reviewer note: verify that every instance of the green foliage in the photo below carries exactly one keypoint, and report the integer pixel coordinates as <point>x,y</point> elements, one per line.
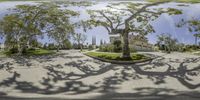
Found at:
<point>106,48</point>
<point>167,43</point>
<point>116,56</point>
<point>12,51</point>
<point>190,48</point>
<point>66,44</point>
<point>117,46</point>
<point>51,46</point>
<point>173,11</point>
<point>79,39</point>
<point>193,27</point>
<point>133,17</point>
<point>29,21</point>
<point>28,52</point>
<point>90,47</point>
<point>38,52</point>
<point>68,3</point>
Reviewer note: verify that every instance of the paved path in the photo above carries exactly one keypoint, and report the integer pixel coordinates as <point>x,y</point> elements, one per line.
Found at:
<point>72,75</point>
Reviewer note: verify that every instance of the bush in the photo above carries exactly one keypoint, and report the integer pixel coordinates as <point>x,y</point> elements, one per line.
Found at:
<point>106,48</point>
<point>116,56</point>
<point>66,44</point>
<point>190,48</point>
<point>13,51</point>
<point>51,47</point>
<point>90,47</point>
<point>132,50</point>
<point>31,49</point>
<point>117,46</point>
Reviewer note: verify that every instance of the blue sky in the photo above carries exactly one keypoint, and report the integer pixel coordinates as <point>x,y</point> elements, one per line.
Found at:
<point>164,24</point>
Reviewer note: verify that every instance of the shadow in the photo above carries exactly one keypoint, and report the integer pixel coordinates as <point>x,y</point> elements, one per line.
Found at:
<point>152,94</point>
<point>6,66</point>
<point>109,85</point>
<point>87,70</point>
<point>11,80</point>
<point>2,94</point>
<point>74,87</point>
<point>22,60</point>
<point>181,73</point>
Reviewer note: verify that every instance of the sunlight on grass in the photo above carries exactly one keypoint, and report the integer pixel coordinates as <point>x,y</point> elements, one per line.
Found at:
<point>116,56</point>
<point>37,52</point>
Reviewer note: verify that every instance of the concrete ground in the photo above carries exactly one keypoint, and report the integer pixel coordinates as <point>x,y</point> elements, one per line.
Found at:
<point>72,75</point>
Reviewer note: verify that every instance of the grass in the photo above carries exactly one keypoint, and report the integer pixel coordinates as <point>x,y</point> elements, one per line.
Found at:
<point>37,52</point>
<point>2,53</point>
<point>116,56</point>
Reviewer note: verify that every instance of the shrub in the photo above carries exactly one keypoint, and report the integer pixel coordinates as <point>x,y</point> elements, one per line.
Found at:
<point>66,44</point>
<point>106,48</point>
<point>51,46</point>
<point>132,50</point>
<point>117,46</point>
<point>90,47</point>
<point>13,50</point>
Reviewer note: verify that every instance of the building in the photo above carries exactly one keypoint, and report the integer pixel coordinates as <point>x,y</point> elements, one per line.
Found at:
<point>137,42</point>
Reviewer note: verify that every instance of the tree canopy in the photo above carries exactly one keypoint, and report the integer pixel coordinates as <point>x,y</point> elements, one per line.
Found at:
<point>128,17</point>
<point>28,21</point>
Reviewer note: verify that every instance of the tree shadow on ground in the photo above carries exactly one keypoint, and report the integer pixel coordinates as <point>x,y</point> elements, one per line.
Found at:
<point>182,73</point>
<point>108,85</point>
<point>147,93</point>
<point>75,87</point>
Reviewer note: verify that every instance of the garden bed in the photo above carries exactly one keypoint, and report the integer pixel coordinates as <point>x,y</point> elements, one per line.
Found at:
<point>116,59</point>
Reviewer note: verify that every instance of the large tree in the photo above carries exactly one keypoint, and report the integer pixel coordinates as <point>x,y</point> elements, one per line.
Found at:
<point>30,21</point>
<point>59,26</point>
<point>26,22</point>
<point>133,18</point>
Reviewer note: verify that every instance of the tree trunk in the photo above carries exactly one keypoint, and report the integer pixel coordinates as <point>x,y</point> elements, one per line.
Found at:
<point>58,48</point>
<point>125,47</point>
<point>81,47</point>
<point>21,50</point>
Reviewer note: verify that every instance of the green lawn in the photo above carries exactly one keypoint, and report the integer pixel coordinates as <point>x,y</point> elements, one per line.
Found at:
<point>1,53</point>
<point>116,56</point>
<point>36,52</point>
<point>40,52</point>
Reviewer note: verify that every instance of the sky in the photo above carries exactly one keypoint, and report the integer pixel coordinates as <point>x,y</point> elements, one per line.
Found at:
<point>164,24</point>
